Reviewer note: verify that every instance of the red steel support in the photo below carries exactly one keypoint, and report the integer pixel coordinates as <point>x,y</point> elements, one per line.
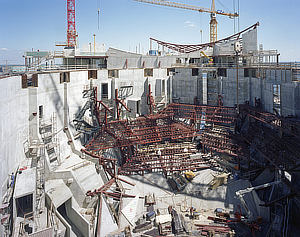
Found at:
<point>119,105</point>
<point>150,100</point>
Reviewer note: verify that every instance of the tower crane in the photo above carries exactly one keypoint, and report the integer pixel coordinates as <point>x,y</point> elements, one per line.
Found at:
<point>213,13</point>
<point>71,32</point>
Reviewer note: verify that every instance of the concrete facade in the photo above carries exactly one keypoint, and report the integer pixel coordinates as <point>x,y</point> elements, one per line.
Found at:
<point>118,59</point>
<point>14,129</point>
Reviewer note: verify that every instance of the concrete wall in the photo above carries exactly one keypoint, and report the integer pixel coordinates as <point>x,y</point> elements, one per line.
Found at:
<point>14,119</point>
<point>185,85</point>
<point>50,95</point>
<point>250,41</point>
<point>137,79</point>
<point>77,219</point>
<point>252,87</point>
<point>18,105</point>
<point>117,60</point>
<point>229,88</point>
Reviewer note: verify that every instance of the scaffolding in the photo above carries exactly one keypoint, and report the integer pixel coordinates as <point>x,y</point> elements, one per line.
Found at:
<point>48,131</point>
<point>166,158</point>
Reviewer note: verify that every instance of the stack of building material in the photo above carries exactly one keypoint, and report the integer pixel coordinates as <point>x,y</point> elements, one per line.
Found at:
<point>164,223</point>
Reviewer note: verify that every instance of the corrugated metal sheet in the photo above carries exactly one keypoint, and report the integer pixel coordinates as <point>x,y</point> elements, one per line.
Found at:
<point>48,232</point>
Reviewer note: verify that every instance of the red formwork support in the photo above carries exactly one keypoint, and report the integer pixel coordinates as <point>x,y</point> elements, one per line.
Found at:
<point>165,158</point>
<point>150,100</point>
<point>288,126</point>
<point>175,122</point>
<point>275,138</point>
<point>109,164</point>
<point>119,104</point>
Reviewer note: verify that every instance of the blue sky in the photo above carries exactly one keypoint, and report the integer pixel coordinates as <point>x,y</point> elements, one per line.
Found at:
<point>125,23</point>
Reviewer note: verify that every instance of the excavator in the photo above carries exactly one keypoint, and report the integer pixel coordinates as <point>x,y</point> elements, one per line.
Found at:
<point>210,59</point>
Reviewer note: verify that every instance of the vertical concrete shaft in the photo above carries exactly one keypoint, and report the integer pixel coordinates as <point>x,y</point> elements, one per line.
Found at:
<point>171,89</point>
<point>204,87</point>
<point>33,115</point>
<point>66,105</point>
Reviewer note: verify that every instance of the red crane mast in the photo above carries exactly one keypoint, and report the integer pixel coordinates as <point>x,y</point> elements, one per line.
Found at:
<point>71,32</point>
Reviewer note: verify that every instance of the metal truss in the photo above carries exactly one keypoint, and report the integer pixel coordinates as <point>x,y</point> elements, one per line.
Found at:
<point>188,48</point>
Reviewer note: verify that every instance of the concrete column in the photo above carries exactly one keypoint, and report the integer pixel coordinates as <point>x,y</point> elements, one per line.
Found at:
<point>66,124</point>
<point>204,87</point>
<point>170,92</point>
<point>33,113</point>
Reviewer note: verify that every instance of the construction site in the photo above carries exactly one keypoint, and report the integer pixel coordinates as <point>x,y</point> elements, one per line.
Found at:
<point>185,140</point>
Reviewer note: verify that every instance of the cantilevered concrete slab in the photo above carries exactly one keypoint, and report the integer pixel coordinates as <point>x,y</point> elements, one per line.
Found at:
<point>57,192</point>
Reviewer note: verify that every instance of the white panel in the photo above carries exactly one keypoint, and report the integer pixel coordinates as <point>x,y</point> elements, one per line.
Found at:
<point>130,210</point>
<point>158,88</point>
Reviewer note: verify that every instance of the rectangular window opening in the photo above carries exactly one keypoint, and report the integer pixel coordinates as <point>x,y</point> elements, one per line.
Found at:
<point>104,91</point>
<point>195,72</point>
<point>170,71</point>
<point>40,111</point>
<point>24,205</point>
<point>222,72</point>
<point>113,73</point>
<point>24,81</point>
<point>92,74</point>
<point>35,80</point>
<point>246,72</point>
<point>138,107</point>
<point>148,72</point>
<point>64,77</point>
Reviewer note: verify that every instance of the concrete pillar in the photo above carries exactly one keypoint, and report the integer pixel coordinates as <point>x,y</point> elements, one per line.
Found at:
<point>204,87</point>
<point>66,124</point>
<point>33,113</point>
<point>170,92</point>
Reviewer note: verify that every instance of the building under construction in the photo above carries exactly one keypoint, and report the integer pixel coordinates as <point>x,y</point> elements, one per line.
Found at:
<point>198,140</point>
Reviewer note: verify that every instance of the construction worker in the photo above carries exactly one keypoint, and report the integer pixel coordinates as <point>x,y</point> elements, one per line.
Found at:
<point>12,178</point>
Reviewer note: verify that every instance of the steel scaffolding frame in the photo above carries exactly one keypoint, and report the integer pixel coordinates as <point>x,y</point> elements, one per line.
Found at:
<point>176,121</point>
<point>273,137</point>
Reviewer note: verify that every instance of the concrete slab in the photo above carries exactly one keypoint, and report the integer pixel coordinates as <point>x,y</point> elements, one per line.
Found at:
<point>196,194</point>
<point>70,162</point>
<point>108,224</point>
<point>25,183</point>
<point>58,192</point>
<point>87,176</point>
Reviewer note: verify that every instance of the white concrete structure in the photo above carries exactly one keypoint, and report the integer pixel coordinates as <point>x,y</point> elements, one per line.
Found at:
<point>58,94</point>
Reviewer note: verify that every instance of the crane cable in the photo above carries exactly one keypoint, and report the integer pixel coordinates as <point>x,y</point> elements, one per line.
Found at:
<point>98,8</point>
